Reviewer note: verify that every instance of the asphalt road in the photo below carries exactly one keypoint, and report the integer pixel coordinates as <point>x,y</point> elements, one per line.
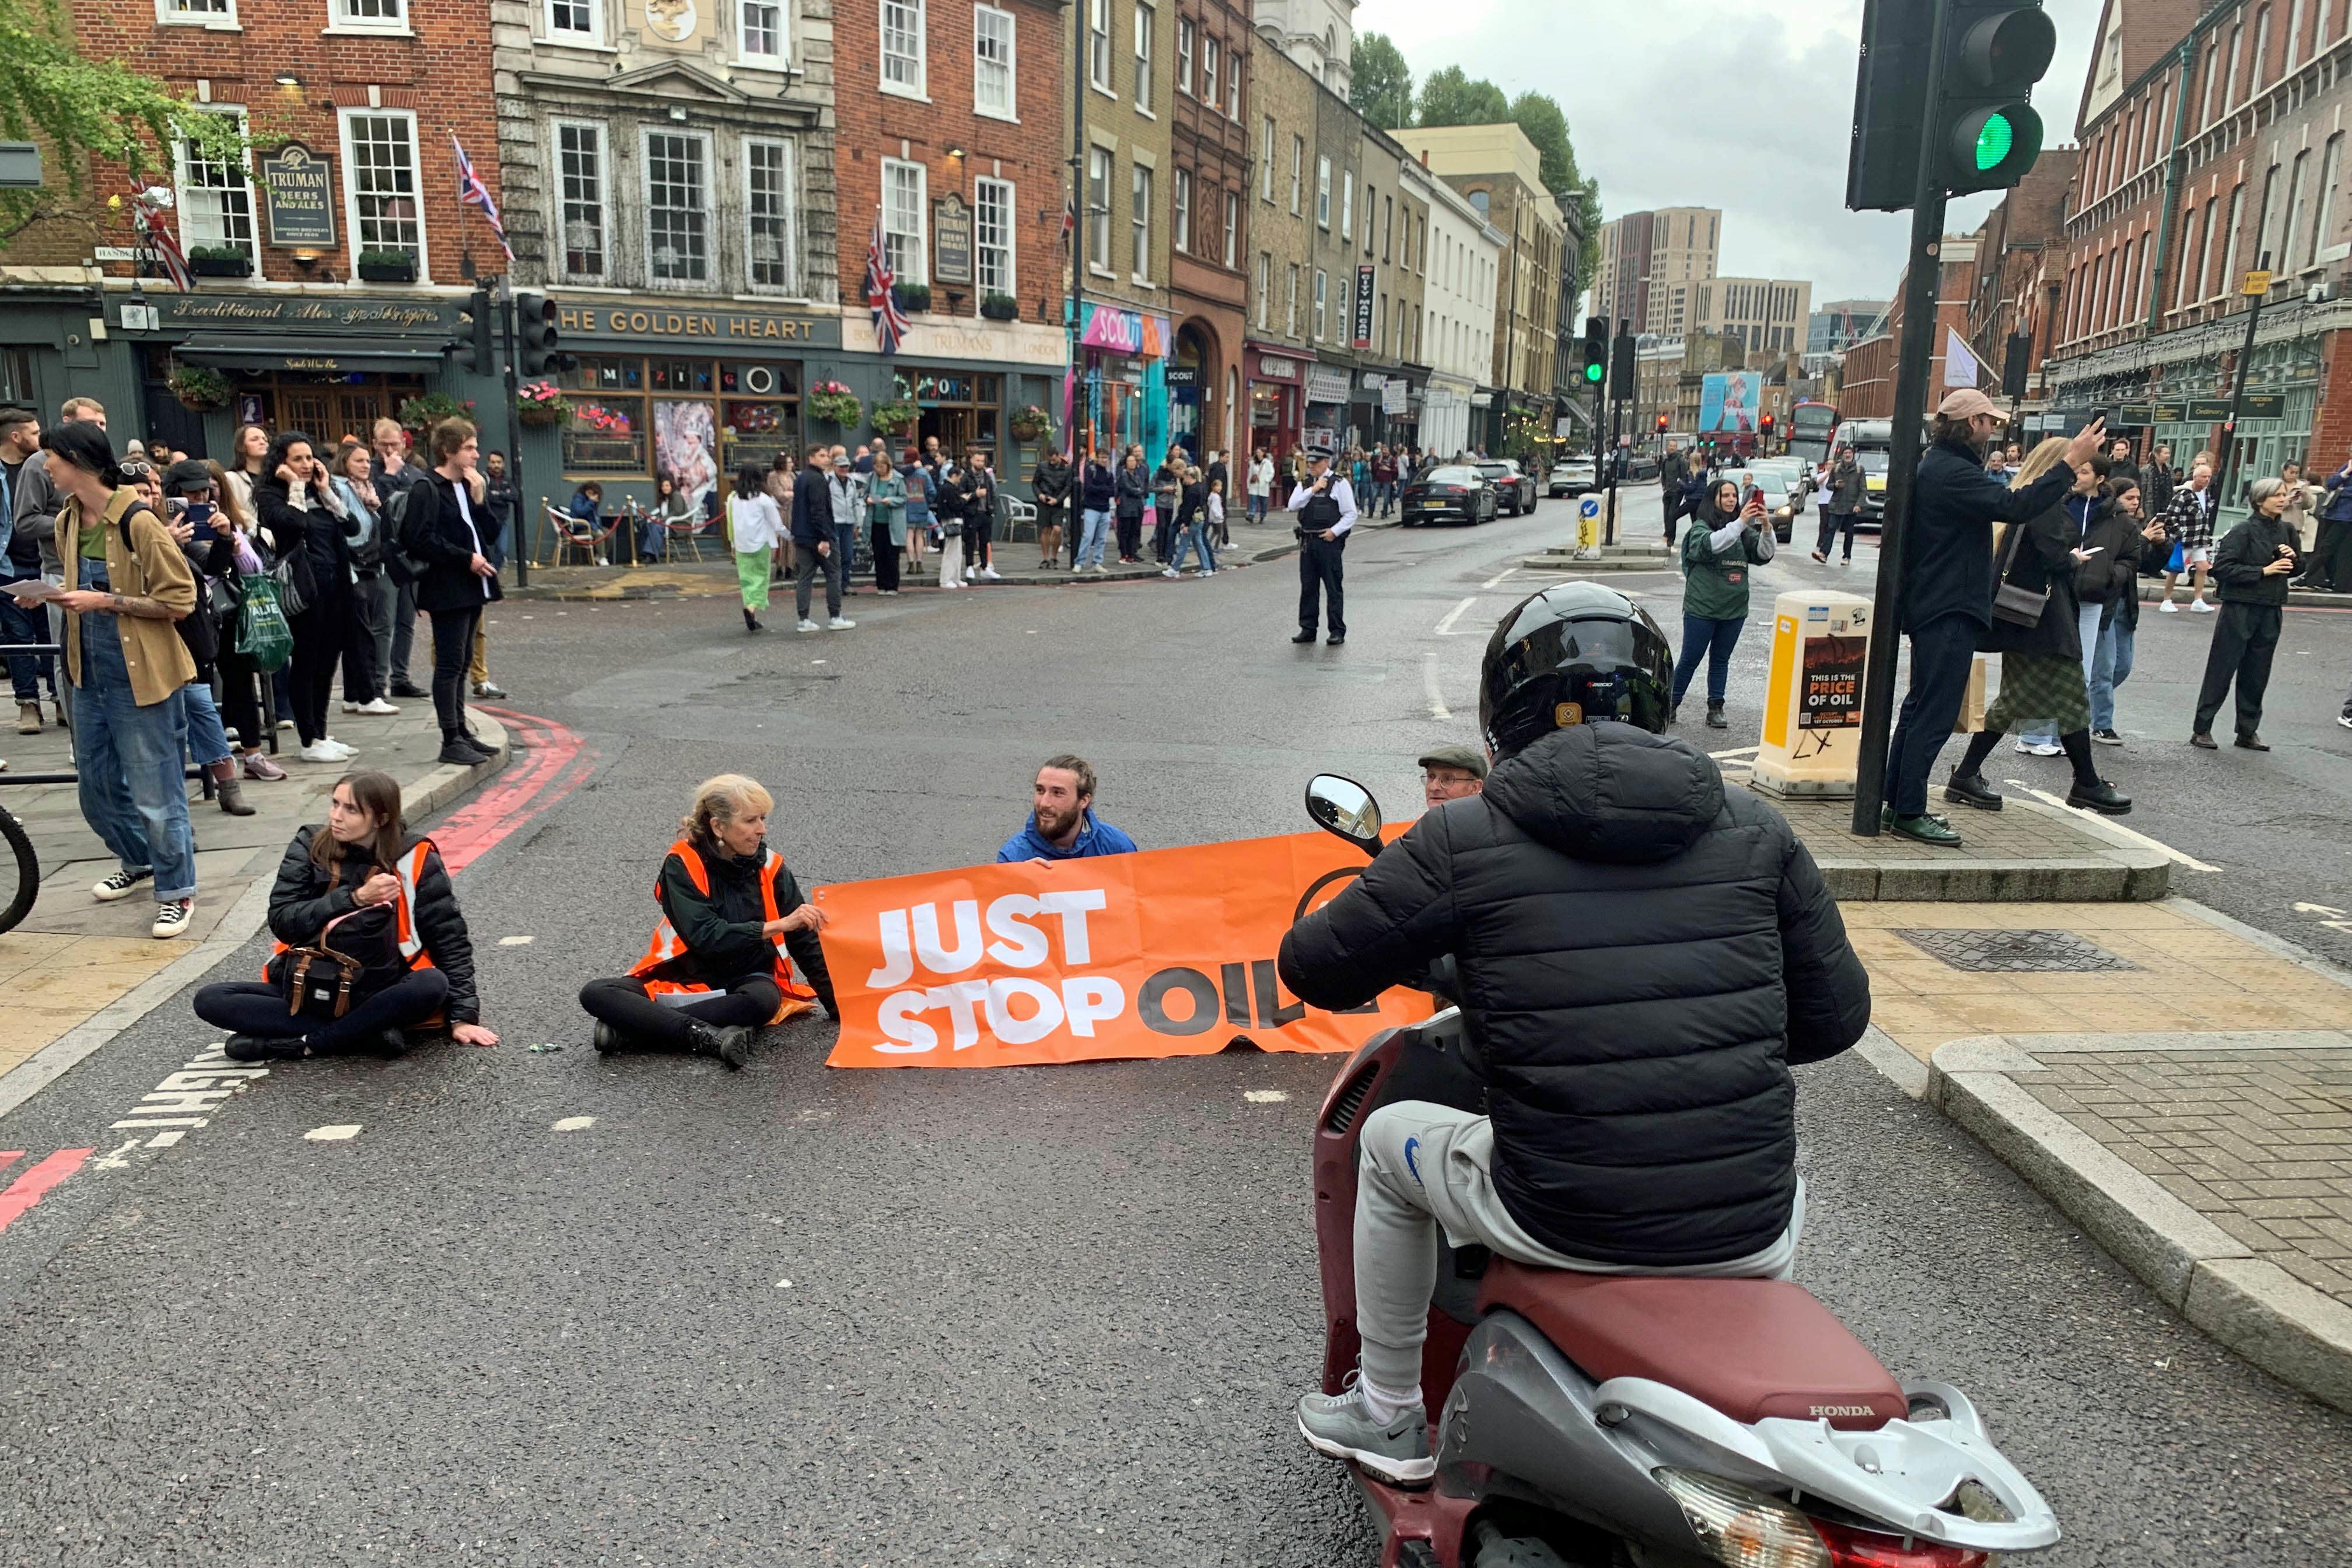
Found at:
<point>1037,1316</point>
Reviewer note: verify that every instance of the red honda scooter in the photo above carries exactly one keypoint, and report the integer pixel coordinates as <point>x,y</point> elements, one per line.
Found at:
<point>1604,1421</point>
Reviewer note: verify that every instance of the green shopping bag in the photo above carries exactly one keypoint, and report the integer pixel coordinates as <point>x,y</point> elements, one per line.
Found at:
<point>261,629</point>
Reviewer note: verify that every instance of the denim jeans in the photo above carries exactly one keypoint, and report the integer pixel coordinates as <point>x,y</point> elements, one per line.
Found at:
<point>844,554</point>
<point>27,670</point>
<point>1090,547</point>
<point>2111,666</point>
<point>207,739</point>
<point>133,790</point>
<point>1713,640</point>
<point>1196,536</point>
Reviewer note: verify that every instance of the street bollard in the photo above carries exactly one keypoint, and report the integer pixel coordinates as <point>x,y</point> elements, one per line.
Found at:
<point>1812,705</point>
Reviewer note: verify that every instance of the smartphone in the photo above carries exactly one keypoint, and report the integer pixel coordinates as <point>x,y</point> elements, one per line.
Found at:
<point>200,513</point>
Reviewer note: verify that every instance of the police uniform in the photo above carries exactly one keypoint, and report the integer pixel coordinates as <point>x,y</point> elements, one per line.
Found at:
<point>1322,562</point>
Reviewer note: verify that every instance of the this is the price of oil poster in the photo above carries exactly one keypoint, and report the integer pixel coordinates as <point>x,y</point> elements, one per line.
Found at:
<point>1832,683</point>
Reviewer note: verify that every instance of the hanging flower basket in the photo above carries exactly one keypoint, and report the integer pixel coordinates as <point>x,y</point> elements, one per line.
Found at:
<point>895,419</point>
<point>219,261</point>
<point>1031,423</point>
<point>1000,307</point>
<point>834,404</point>
<point>428,409</point>
<point>540,405</point>
<point>199,387</point>
<point>913,298</point>
<point>387,267</point>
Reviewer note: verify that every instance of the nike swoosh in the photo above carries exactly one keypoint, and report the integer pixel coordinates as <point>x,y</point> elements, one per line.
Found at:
<point>1410,1145</point>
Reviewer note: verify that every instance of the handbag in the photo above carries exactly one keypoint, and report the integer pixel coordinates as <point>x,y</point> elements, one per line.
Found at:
<point>354,957</point>
<point>2018,606</point>
<point>296,586</point>
<point>262,632</point>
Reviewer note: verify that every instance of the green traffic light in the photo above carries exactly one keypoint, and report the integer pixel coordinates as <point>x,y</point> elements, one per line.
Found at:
<point>1594,372</point>
<point>1995,140</point>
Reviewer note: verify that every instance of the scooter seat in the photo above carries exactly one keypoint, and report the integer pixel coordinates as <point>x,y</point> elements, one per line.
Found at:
<point>1751,1348</point>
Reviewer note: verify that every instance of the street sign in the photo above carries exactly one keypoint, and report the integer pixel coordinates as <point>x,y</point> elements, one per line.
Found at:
<point>2262,405</point>
<point>1588,507</point>
<point>2208,410</point>
<point>2256,283</point>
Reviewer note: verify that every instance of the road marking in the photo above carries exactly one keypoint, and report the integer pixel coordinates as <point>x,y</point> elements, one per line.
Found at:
<point>547,765</point>
<point>574,1124</point>
<point>1735,752</point>
<point>514,942</point>
<point>116,1161</point>
<point>28,1189</point>
<point>1496,580</point>
<point>1437,707</point>
<point>165,1140</point>
<point>2157,845</point>
<point>337,1133</point>
<point>1445,626</point>
<point>1265,1096</point>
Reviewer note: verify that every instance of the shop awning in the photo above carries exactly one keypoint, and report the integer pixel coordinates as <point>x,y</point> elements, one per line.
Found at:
<point>331,355</point>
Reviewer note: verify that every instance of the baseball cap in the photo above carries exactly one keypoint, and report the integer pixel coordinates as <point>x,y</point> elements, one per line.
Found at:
<point>193,474</point>
<point>1967,404</point>
<point>1468,758</point>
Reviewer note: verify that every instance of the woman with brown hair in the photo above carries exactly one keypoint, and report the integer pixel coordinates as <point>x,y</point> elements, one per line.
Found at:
<point>717,970</point>
<point>246,451</point>
<point>419,958</point>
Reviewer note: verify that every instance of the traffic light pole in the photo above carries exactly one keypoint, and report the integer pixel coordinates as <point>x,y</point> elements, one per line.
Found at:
<point>1920,289</point>
<point>2238,394</point>
<point>525,514</point>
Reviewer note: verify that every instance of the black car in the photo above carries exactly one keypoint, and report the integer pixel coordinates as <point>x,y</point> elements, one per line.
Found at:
<point>1515,491</point>
<point>1457,494</point>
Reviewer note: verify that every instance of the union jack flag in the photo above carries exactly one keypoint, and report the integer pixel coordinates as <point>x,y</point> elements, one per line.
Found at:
<point>889,321</point>
<point>147,210</point>
<point>472,192</point>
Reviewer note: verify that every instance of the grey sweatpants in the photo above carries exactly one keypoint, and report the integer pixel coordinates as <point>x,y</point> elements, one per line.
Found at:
<point>1422,1166</point>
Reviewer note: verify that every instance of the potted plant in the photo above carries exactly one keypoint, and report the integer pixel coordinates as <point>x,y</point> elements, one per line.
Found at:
<point>387,267</point>
<point>895,417</point>
<point>914,297</point>
<point>427,409</point>
<point>1032,423</point>
<point>835,403</point>
<point>540,404</point>
<point>1000,307</point>
<point>199,387</point>
<point>219,261</point>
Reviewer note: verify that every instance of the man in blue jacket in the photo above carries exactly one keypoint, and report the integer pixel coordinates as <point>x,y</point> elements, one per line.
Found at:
<point>1948,585</point>
<point>1062,823</point>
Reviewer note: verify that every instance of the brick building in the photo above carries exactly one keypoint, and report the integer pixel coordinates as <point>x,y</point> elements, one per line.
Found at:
<point>1867,391</point>
<point>352,104</point>
<point>2211,143</point>
<point>1209,209</point>
<point>1280,355</point>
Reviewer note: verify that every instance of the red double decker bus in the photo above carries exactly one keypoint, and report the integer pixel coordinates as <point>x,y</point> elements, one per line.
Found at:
<point>1809,423</point>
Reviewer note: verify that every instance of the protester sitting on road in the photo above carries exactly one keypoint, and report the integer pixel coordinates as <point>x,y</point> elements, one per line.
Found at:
<point>712,976</point>
<point>2121,534</point>
<point>1062,823</point>
<point>1449,773</point>
<point>2041,665</point>
<point>2255,560</point>
<point>418,958</point>
<point>126,666</point>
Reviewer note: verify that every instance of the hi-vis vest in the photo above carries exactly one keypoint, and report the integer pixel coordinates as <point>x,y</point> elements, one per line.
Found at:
<point>412,945</point>
<point>667,944</point>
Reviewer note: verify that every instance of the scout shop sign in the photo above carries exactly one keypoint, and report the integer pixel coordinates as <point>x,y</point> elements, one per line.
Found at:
<point>297,189</point>
<point>1124,331</point>
<point>950,240</point>
<point>1169,953</point>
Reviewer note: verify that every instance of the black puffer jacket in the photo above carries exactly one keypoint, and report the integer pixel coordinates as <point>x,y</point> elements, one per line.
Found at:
<point>307,895</point>
<point>725,932</point>
<point>1641,955</point>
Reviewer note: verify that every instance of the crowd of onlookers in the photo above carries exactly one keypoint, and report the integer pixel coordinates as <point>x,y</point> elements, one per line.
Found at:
<point>203,607</point>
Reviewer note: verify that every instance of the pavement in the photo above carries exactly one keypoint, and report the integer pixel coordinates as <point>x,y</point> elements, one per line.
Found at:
<point>2030,851</point>
<point>536,1305</point>
<point>70,964</point>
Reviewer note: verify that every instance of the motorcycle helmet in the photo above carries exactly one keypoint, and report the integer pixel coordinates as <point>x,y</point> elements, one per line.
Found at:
<point>1570,655</point>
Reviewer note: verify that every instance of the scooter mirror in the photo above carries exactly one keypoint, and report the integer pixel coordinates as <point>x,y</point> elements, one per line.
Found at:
<point>1346,808</point>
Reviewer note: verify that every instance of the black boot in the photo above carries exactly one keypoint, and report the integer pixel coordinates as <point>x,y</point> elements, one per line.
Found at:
<point>2101,796</point>
<point>751,621</point>
<point>457,749</point>
<point>1714,719</point>
<point>1970,789</point>
<point>731,1044</point>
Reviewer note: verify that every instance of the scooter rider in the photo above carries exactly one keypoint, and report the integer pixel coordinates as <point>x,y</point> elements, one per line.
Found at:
<point>1640,955</point>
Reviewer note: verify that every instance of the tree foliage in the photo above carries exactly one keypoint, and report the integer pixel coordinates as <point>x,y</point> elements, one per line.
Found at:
<point>81,109</point>
<point>1449,96</point>
<point>1379,84</point>
<point>1539,116</point>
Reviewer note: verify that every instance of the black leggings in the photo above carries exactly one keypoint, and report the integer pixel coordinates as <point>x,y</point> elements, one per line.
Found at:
<point>240,703</point>
<point>257,1008</point>
<point>453,650</point>
<point>319,633</point>
<point>622,1001</point>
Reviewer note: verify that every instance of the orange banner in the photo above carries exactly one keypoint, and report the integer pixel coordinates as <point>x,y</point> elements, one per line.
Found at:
<point>1166,954</point>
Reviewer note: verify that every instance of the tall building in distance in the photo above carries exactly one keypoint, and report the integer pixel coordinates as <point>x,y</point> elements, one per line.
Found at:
<point>1643,255</point>
<point>1840,321</point>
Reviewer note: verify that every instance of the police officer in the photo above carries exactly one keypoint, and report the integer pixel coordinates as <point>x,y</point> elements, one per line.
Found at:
<point>1325,505</point>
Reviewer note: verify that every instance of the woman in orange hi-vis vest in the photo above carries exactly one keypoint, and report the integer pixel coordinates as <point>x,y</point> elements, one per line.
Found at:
<point>419,964</point>
<point>713,973</point>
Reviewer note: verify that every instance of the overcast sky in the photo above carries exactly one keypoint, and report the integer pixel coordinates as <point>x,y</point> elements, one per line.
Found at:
<point>1718,103</point>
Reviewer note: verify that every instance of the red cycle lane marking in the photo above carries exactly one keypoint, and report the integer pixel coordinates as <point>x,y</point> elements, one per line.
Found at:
<point>28,1189</point>
<point>553,763</point>
<point>9,1157</point>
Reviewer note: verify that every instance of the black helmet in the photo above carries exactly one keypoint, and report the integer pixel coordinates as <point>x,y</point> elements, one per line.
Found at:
<point>1570,654</point>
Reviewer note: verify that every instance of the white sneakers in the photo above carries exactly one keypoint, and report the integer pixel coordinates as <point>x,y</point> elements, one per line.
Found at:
<point>2168,608</point>
<point>375,705</point>
<point>329,750</point>
<point>840,625</point>
<point>992,573</point>
<point>2200,607</point>
<point>171,918</point>
<point>1169,571</point>
<point>808,627</point>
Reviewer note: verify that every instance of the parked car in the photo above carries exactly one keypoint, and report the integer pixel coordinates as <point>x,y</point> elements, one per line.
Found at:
<point>1516,491</point>
<point>1571,477</point>
<point>1457,493</point>
<point>1787,484</point>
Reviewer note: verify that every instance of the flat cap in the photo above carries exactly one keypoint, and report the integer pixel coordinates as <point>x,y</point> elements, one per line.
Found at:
<point>1469,759</point>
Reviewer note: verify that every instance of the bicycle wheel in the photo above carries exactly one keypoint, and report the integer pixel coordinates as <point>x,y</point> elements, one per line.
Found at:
<point>28,870</point>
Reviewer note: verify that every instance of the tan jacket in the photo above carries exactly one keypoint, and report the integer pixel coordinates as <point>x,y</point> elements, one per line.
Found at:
<point>155,569</point>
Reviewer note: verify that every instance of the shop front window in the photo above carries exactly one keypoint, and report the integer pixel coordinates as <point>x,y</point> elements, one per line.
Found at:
<point>606,431</point>
<point>695,421</point>
<point>961,409</point>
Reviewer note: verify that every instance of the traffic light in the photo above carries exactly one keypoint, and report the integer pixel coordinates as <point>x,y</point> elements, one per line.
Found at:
<point>1662,424</point>
<point>473,349</point>
<point>535,325</point>
<point>1993,52</point>
<point>1621,366</point>
<point>1985,134</point>
<point>1768,424</point>
<point>1596,351</point>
